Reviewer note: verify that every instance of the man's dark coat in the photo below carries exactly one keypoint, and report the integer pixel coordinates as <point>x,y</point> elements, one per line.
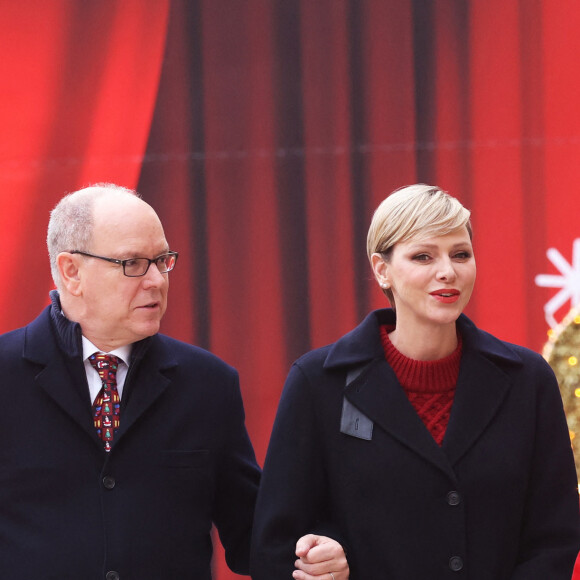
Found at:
<point>181,461</point>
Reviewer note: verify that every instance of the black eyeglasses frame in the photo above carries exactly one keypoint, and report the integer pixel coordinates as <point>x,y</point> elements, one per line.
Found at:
<point>123,263</point>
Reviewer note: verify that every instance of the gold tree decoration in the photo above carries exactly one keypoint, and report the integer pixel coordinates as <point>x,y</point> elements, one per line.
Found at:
<point>562,351</point>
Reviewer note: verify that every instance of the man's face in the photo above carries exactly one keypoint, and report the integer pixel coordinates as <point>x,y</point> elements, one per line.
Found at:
<point>116,309</point>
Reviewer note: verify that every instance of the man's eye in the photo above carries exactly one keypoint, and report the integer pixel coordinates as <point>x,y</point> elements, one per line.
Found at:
<point>130,263</point>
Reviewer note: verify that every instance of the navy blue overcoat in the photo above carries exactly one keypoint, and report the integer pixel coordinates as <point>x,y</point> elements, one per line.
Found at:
<point>180,462</point>
<point>497,501</point>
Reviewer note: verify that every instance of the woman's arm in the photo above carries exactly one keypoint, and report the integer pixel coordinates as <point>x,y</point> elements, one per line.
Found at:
<point>291,500</point>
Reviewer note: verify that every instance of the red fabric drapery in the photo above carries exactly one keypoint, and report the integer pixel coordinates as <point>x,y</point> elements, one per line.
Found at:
<point>266,131</point>
<point>79,82</point>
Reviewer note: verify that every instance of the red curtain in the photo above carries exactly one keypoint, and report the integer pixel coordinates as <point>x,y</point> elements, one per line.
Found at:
<point>265,132</point>
<point>79,82</point>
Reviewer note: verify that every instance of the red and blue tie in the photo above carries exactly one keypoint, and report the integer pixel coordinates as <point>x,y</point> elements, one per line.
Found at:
<point>107,405</point>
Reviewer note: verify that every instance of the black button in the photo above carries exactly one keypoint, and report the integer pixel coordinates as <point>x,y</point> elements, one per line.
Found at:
<point>112,575</point>
<point>456,563</point>
<point>109,483</point>
<point>453,498</point>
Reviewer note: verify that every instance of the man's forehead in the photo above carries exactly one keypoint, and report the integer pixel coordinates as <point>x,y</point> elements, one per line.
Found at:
<point>132,246</point>
<point>140,251</point>
<point>130,228</point>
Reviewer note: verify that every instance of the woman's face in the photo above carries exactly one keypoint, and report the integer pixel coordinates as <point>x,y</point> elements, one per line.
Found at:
<point>431,279</point>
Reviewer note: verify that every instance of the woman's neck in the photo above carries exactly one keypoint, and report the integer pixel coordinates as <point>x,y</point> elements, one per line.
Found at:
<point>424,343</point>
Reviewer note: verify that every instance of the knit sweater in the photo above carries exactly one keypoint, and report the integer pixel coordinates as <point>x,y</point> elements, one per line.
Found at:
<point>429,385</point>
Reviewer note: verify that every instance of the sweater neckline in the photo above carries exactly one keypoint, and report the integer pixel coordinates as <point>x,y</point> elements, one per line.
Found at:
<point>434,376</point>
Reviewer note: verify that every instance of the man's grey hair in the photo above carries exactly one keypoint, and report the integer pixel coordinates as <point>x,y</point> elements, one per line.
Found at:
<point>71,221</point>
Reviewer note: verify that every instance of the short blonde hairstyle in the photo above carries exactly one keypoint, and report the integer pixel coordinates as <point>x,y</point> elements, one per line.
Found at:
<point>416,211</point>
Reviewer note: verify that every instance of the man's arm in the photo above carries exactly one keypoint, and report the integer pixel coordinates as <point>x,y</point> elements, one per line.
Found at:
<point>236,487</point>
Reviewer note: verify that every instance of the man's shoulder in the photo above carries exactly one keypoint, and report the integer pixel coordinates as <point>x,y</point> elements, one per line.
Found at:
<point>15,347</point>
<point>11,338</point>
<point>14,340</point>
<point>181,352</point>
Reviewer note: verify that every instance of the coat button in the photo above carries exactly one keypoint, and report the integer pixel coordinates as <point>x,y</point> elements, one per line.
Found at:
<point>112,575</point>
<point>109,483</point>
<point>453,498</point>
<point>455,563</point>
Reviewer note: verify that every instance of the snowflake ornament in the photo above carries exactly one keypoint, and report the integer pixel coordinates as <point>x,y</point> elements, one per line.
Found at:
<point>568,282</point>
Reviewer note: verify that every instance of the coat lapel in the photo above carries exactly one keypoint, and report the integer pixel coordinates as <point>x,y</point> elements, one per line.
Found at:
<point>378,394</point>
<point>144,393</point>
<point>146,382</point>
<point>61,376</point>
<point>70,394</point>
<point>481,389</point>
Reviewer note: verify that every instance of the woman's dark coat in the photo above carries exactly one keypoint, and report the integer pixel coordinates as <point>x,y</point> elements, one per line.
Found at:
<point>498,500</point>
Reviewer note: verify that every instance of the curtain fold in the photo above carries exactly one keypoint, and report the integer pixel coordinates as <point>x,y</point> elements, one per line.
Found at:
<point>79,82</point>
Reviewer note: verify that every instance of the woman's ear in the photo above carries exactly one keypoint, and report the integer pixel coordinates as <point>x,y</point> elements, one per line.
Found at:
<point>380,270</point>
<point>69,269</point>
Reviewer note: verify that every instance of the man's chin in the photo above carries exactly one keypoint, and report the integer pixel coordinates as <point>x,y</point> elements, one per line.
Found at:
<point>145,330</point>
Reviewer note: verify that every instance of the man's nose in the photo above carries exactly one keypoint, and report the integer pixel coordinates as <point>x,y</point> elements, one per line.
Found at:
<point>153,276</point>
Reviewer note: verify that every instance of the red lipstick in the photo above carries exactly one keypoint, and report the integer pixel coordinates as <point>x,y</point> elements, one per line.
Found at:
<point>446,295</point>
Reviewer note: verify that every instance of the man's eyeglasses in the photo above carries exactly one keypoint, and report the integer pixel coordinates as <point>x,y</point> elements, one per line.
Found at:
<point>135,267</point>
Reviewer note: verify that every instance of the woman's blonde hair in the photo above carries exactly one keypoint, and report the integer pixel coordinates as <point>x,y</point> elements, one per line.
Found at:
<point>415,211</point>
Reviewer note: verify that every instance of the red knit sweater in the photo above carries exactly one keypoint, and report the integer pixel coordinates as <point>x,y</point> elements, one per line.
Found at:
<point>430,385</point>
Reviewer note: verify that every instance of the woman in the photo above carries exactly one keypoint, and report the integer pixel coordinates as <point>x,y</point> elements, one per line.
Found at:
<point>431,449</point>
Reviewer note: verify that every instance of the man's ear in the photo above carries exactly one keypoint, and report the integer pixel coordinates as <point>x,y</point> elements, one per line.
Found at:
<point>69,266</point>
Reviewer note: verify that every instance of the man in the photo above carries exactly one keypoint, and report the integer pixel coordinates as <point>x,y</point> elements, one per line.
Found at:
<point>121,446</point>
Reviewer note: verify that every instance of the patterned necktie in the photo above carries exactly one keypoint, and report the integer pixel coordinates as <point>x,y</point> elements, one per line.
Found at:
<point>107,406</point>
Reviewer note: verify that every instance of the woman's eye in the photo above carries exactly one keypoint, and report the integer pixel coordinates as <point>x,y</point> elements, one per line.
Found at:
<point>421,257</point>
<point>462,256</point>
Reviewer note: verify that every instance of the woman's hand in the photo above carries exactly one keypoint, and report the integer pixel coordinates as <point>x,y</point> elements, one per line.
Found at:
<point>320,558</point>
